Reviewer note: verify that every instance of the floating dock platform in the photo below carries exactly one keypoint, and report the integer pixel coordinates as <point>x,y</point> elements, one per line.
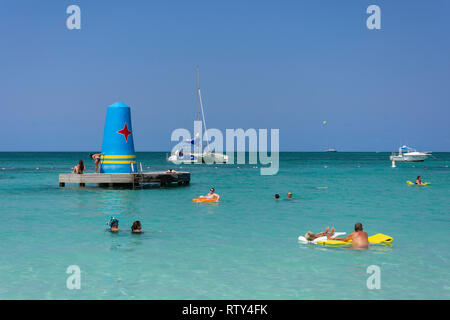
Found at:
<point>126,179</point>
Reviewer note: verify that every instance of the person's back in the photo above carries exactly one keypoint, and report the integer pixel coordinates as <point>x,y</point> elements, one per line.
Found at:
<point>360,239</point>
<point>79,168</point>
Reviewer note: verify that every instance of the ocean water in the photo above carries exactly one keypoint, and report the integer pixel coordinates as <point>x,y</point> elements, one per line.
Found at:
<point>244,247</point>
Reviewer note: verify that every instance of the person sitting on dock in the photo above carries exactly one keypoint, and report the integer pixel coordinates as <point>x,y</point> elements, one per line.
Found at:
<point>96,157</point>
<point>79,168</point>
<point>171,171</point>
<point>136,227</point>
<point>310,236</point>
<point>359,238</point>
<point>113,224</point>
<point>419,180</point>
<point>211,195</point>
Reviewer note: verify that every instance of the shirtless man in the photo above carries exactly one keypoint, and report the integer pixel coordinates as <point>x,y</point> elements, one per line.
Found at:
<point>211,195</point>
<point>96,157</point>
<point>360,239</point>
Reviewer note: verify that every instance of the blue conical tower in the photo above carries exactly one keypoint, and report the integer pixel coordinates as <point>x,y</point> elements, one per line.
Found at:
<point>118,154</point>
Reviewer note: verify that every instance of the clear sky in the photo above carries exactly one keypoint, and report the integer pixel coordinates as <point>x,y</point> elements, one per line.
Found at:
<point>263,64</point>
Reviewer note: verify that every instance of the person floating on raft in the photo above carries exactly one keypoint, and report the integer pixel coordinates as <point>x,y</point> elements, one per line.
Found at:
<point>419,180</point>
<point>310,236</point>
<point>210,197</point>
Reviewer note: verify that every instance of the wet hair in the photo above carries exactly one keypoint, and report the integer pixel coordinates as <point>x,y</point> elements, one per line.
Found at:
<point>91,154</point>
<point>136,225</point>
<point>212,189</point>
<point>418,177</point>
<point>81,165</point>
<point>277,196</point>
<point>358,226</point>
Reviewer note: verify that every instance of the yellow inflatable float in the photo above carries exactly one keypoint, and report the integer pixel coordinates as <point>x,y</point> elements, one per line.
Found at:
<point>375,239</point>
<point>423,183</point>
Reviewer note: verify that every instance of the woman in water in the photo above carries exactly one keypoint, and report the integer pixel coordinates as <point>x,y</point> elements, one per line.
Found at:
<point>79,168</point>
<point>136,227</point>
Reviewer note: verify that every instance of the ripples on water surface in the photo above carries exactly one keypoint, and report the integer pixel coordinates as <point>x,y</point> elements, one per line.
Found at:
<point>245,247</point>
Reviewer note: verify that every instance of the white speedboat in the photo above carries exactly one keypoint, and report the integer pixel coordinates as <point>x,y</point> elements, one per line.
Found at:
<point>407,154</point>
<point>198,156</point>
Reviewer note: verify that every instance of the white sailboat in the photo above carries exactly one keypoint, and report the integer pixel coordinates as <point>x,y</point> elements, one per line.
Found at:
<point>206,156</point>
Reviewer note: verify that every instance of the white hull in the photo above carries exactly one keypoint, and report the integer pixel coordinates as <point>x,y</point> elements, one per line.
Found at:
<point>206,157</point>
<point>410,156</point>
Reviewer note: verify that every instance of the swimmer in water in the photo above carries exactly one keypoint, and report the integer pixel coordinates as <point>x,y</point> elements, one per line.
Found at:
<point>419,180</point>
<point>310,236</point>
<point>360,239</point>
<point>136,227</point>
<point>79,168</point>
<point>113,224</point>
<point>289,195</point>
<point>277,196</point>
<point>211,195</point>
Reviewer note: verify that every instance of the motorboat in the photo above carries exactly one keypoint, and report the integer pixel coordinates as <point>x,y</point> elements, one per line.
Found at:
<point>407,154</point>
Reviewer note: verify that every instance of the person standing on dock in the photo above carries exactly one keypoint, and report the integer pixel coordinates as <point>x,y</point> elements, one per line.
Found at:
<point>79,168</point>
<point>96,157</point>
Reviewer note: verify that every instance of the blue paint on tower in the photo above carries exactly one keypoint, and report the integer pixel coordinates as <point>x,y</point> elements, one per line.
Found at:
<point>118,155</point>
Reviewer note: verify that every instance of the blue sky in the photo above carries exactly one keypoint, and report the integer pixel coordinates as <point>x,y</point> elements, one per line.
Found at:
<point>263,64</point>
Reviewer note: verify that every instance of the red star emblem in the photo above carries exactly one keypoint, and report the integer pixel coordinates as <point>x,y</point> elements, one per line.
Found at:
<point>125,132</point>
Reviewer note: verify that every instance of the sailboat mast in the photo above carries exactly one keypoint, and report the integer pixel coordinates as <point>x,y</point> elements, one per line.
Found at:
<point>201,109</point>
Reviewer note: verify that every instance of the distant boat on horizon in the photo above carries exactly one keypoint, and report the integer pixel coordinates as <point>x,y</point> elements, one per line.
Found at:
<point>331,150</point>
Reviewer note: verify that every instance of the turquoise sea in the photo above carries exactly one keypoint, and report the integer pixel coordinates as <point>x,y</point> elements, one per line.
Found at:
<point>245,247</point>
